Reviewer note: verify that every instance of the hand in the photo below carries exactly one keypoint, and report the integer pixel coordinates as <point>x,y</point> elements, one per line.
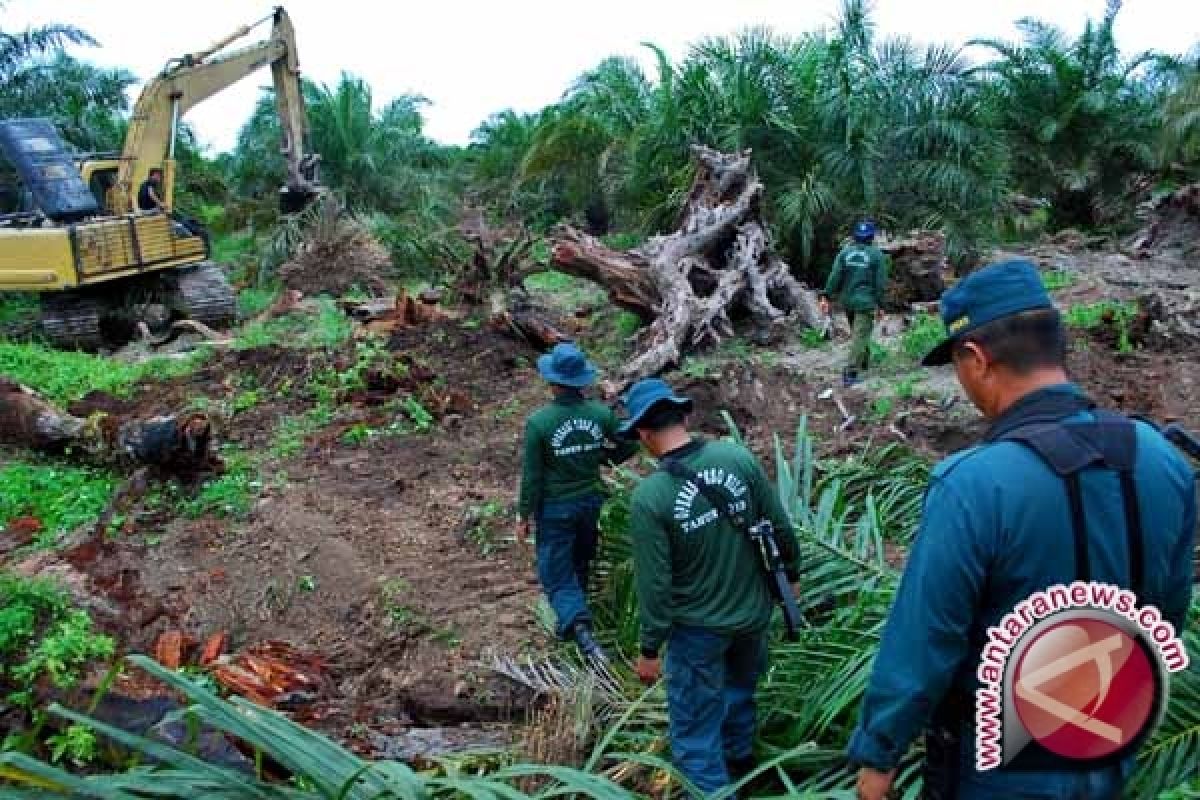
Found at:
<point>879,315</point>
<point>648,670</point>
<point>522,534</point>
<point>823,304</point>
<point>873,784</point>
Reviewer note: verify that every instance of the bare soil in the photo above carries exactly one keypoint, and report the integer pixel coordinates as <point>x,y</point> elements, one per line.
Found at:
<point>394,561</point>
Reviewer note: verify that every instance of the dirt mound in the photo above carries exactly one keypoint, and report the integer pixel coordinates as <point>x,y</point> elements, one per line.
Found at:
<point>337,254</point>
<point>1173,225</point>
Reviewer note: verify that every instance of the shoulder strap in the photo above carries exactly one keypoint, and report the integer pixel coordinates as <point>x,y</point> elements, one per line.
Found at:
<point>1110,441</point>
<point>676,467</point>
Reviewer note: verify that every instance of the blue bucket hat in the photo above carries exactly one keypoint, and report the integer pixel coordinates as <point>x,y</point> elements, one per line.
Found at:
<point>864,230</point>
<point>998,290</point>
<point>566,365</point>
<point>643,396</point>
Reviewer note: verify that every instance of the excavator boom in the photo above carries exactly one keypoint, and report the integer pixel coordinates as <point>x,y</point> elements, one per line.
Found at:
<point>187,81</point>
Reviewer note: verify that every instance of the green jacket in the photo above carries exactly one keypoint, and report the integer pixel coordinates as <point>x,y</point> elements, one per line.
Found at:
<point>566,442</point>
<point>859,278</point>
<point>692,567</point>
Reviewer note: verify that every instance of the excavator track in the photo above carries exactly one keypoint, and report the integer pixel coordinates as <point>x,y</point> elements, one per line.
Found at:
<point>203,293</point>
<point>71,321</point>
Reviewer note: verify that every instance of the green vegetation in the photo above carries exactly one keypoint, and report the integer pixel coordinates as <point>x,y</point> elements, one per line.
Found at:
<point>483,520</point>
<point>16,307</point>
<point>61,498</point>
<point>252,301</point>
<point>318,768</point>
<point>63,377</point>
<point>233,493</point>
<point>1057,279</point>
<point>45,641</point>
<point>329,329</point>
<point>922,335</point>
<point>1119,315</point>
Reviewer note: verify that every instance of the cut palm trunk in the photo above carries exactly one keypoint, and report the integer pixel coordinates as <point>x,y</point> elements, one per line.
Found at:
<point>176,442</point>
<point>690,286</point>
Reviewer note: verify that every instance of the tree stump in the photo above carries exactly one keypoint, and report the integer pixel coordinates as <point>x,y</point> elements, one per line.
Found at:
<point>175,443</point>
<point>691,285</point>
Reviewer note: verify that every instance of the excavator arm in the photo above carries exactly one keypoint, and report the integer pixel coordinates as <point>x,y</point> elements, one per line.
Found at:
<point>154,125</point>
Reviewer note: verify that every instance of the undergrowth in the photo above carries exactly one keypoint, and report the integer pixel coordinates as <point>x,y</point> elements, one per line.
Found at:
<point>44,642</point>
<point>60,497</point>
<point>1090,316</point>
<point>329,328</point>
<point>63,376</point>
<point>922,335</point>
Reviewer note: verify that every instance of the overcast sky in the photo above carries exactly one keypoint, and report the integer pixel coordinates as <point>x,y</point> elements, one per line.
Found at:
<point>473,58</point>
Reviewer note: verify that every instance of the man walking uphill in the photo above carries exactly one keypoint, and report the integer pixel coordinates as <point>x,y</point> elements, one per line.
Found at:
<point>565,444</point>
<point>701,588</point>
<point>1058,492</point>
<point>857,282</point>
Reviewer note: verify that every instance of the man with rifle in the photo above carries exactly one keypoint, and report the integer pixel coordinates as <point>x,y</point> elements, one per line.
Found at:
<point>711,546</point>
<point>1058,492</point>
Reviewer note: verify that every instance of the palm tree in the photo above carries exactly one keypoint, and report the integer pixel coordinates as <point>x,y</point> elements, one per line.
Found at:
<point>19,52</point>
<point>1179,146</point>
<point>1078,118</point>
<point>38,79</point>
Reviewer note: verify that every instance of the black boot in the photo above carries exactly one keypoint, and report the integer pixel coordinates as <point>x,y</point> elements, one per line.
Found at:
<point>739,768</point>
<point>591,649</point>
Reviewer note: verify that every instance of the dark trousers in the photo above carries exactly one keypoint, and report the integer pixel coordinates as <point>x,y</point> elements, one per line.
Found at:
<point>567,532</point>
<point>711,680</point>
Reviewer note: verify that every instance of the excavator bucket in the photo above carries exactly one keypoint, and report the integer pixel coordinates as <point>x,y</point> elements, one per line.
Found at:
<point>292,201</point>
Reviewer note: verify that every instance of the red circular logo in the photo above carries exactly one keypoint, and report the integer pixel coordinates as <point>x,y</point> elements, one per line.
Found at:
<point>1085,688</point>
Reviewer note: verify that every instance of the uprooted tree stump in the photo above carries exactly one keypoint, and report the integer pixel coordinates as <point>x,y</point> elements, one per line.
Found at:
<point>176,443</point>
<point>498,256</point>
<point>692,284</point>
<point>917,269</point>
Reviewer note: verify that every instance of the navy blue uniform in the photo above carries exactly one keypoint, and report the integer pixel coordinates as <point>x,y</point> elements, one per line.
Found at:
<point>996,529</point>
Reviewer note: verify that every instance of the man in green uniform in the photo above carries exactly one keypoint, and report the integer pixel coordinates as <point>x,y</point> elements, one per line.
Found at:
<point>857,282</point>
<point>566,442</point>
<point>1058,491</point>
<point>701,588</point>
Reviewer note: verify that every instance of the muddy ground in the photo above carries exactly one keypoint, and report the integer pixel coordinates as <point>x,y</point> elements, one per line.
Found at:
<point>394,561</point>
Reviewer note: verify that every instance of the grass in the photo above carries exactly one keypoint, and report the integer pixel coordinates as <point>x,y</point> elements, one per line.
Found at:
<point>16,307</point>
<point>61,498</point>
<point>65,376</point>
<point>1057,279</point>
<point>253,301</point>
<point>922,335</point>
<point>566,291</point>
<point>329,329</point>
<point>44,641</point>
<point>1089,316</point>
<point>233,493</point>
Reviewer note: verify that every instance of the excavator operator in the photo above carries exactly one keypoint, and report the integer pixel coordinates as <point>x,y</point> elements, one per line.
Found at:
<point>148,196</point>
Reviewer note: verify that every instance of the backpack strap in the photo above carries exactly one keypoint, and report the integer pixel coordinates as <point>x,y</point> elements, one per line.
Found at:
<point>1110,442</point>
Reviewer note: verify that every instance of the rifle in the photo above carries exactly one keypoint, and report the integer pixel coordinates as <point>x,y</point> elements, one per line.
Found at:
<point>762,535</point>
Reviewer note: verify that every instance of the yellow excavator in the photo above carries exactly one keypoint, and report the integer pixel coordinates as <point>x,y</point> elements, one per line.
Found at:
<point>79,237</point>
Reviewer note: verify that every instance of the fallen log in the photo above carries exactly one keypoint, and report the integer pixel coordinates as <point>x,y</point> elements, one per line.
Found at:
<point>692,284</point>
<point>177,442</point>
<point>516,315</point>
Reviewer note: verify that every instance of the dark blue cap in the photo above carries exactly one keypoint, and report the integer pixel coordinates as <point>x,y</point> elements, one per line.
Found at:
<point>998,290</point>
<point>643,396</point>
<point>566,365</point>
